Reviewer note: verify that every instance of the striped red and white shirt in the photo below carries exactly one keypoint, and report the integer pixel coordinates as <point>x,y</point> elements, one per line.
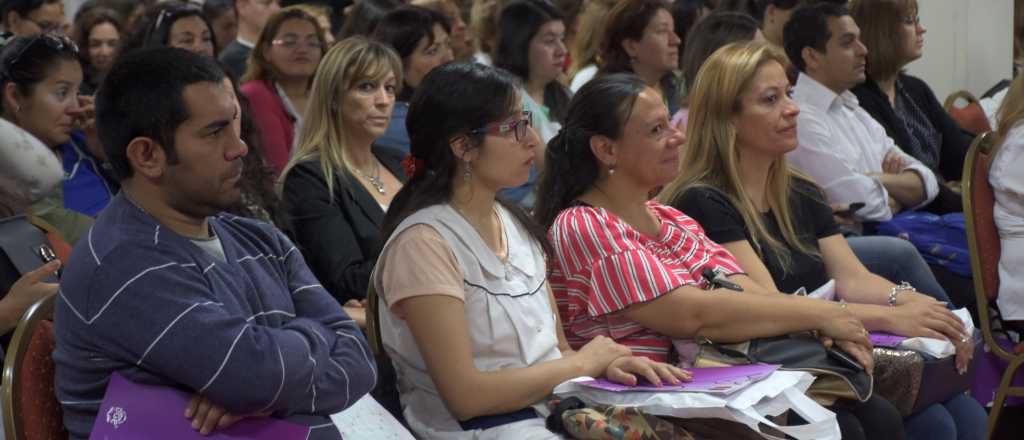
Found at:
<point>603,265</point>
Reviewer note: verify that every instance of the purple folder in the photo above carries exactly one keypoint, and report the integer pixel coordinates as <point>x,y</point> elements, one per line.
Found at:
<point>136,411</point>
<point>705,380</point>
<point>886,340</point>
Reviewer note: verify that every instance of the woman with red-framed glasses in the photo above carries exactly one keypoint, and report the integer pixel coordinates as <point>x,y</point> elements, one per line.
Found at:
<point>466,313</point>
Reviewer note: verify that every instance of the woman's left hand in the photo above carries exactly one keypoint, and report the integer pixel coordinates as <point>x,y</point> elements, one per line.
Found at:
<point>863,355</point>
<point>625,369</point>
<point>964,354</point>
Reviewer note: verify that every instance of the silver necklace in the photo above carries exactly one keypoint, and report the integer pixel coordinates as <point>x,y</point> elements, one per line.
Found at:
<point>374,180</point>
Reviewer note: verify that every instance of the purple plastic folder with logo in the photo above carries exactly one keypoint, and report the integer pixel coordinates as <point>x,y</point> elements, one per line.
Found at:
<point>886,340</point>
<point>136,411</point>
<point>724,380</point>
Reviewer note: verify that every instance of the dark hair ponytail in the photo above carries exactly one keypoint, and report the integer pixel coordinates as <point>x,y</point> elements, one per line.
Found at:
<point>601,107</point>
<point>452,100</point>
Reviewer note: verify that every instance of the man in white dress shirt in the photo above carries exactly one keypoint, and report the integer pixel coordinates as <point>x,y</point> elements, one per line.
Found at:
<point>840,145</point>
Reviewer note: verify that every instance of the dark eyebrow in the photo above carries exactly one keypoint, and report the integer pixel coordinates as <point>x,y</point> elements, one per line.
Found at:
<point>221,123</point>
<point>216,125</point>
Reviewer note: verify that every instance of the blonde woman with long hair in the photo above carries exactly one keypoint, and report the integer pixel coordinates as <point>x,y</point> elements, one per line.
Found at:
<point>337,187</point>
<point>735,181</point>
<point>1007,180</point>
<point>586,44</point>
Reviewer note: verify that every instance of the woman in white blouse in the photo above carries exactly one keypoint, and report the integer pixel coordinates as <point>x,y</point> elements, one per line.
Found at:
<point>1007,179</point>
<point>467,316</point>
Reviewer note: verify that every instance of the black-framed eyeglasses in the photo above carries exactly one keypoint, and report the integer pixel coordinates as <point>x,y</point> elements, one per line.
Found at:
<point>518,126</point>
<point>56,42</point>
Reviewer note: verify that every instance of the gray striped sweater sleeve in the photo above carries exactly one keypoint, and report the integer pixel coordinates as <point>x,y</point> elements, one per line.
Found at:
<point>206,337</point>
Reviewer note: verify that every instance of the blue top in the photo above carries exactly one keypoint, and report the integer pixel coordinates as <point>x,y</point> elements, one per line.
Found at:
<point>396,137</point>
<point>86,188</point>
<point>256,333</point>
<point>523,195</point>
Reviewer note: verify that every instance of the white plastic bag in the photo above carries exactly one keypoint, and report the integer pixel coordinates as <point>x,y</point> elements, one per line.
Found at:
<point>751,406</point>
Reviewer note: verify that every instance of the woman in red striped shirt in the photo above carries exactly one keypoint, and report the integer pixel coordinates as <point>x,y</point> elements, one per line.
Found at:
<point>632,269</point>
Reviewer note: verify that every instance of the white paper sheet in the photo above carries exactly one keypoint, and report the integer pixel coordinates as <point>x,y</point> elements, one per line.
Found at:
<point>938,347</point>
<point>367,419</point>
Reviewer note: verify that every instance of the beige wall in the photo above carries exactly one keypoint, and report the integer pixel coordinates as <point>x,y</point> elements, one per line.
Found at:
<point>969,45</point>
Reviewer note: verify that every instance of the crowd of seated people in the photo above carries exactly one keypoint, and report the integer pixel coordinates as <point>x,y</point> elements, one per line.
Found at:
<point>535,196</point>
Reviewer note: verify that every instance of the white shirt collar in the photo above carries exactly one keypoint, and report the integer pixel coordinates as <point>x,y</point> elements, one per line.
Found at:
<point>816,95</point>
<point>245,43</point>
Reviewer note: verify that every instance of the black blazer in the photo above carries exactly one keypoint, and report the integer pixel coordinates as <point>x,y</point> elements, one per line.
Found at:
<point>955,141</point>
<point>339,237</point>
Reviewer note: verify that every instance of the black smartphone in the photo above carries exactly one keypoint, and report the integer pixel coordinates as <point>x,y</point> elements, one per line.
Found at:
<point>845,359</point>
<point>852,208</point>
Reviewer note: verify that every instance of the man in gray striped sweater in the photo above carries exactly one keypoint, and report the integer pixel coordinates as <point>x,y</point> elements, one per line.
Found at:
<point>165,289</point>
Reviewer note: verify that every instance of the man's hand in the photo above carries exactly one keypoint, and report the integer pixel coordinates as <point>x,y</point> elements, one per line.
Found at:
<point>894,163</point>
<point>207,416</point>
<point>844,220</point>
<point>895,206</point>
<point>356,310</point>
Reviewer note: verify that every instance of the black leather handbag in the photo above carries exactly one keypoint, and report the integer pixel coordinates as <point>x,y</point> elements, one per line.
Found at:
<point>837,375</point>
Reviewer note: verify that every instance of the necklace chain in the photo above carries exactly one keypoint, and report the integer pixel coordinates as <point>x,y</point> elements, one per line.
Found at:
<point>374,179</point>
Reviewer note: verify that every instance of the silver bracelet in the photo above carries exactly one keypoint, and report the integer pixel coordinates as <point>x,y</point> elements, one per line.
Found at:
<point>902,286</point>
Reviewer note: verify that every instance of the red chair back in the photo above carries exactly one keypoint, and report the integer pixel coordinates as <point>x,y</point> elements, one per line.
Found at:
<point>979,202</point>
<point>971,116</point>
<point>31,409</point>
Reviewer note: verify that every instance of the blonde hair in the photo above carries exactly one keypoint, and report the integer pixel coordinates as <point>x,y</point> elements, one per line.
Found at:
<point>587,42</point>
<point>711,156</point>
<point>1011,111</point>
<point>483,23</point>
<point>348,63</point>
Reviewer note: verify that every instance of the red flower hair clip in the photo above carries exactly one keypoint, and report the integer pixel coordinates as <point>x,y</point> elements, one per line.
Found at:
<point>412,165</point>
